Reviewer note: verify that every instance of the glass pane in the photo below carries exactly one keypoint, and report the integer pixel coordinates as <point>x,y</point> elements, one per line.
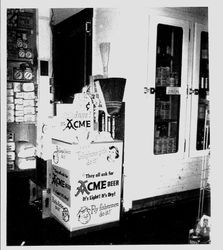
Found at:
<point>203,123</point>
<point>168,82</point>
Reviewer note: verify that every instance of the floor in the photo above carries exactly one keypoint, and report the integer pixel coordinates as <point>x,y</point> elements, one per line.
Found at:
<point>161,225</point>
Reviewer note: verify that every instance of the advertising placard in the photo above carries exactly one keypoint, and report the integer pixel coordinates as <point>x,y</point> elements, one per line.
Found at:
<point>74,121</point>
<point>86,183</point>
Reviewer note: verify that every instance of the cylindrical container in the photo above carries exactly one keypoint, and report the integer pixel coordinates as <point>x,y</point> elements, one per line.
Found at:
<point>113,126</point>
<point>101,120</point>
<point>164,145</point>
<point>158,146</point>
<point>202,82</point>
<point>109,124</point>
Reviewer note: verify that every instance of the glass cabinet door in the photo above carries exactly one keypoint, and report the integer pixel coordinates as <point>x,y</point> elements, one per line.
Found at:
<point>169,47</point>
<point>203,123</point>
<point>200,123</point>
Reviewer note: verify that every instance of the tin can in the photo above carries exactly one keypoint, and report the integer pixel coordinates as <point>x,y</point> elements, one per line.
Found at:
<point>158,146</point>
<point>17,74</point>
<point>109,124</point>
<point>28,74</point>
<point>113,126</point>
<point>164,145</point>
<point>22,53</point>
<point>173,141</point>
<point>29,54</point>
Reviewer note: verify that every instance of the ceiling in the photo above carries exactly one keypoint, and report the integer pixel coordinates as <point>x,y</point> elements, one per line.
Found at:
<point>61,14</point>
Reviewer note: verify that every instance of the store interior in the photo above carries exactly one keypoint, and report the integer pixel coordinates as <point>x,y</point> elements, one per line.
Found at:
<point>108,124</point>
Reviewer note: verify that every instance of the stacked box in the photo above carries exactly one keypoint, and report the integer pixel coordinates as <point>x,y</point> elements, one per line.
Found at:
<point>10,150</point>
<point>86,183</point>
<point>21,102</point>
<point>25,157</point>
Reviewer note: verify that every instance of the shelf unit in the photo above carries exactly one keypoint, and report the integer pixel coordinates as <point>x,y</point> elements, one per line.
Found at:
<point>22,88</point>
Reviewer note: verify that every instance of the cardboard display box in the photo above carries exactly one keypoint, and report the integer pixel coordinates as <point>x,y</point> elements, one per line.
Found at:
<point>86,183</point>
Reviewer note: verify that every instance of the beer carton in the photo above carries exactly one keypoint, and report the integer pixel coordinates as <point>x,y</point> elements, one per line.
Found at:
<point>86,183</point>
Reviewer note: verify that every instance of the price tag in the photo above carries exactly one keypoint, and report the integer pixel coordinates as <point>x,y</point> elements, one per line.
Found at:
<point>173,90</point>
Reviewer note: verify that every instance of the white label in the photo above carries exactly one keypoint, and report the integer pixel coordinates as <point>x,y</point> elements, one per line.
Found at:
<point>173,91</point>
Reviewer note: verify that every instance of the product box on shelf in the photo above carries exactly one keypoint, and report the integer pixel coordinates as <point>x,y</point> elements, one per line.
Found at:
<point>18,101</point>
<point>86,183</point>
<point>25,163</point>
<point>10,165</point>
<point>19,94</point>
<point>10,146</point>
<point>10,92</point>
<point>10,99</point>
<point>10,106</point>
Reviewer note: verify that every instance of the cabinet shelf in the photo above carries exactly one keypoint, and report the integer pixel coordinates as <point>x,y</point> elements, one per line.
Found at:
<point>17,80</point>
<point>10,59</point>
<point>158,120</point>
<point>22,123</point>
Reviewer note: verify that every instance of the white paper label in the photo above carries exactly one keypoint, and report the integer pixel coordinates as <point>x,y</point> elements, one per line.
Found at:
<point>173,91</point>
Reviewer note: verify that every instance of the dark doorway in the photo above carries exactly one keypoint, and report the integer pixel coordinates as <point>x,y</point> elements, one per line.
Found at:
<point>72,55</point>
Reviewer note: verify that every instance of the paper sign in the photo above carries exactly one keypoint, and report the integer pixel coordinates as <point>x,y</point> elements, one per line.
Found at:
<point>173,90</point>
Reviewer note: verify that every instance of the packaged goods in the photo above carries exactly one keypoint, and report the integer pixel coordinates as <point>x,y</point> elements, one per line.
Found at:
<point>16,86</point>
<point>10,92</point>
<point>19,113</point>
<point>25,149</point>
<point>10,136</point>
<point>25,163</point>
<point>158,146</point>
<point>164,145</point>
<point>10,113</point>
<point>29,118</point>
<point>19,94</point>
<point>28,86</point>
<point>29,95</point>
<point>28,103</point>
<point>17,74</point>
<point>18,101</point>
<point>10,118</point>
<point>11,156</point>
<point>86,183</point>
<point>18,107</point>
<point>11,146</point>
<point>29,110</point>
<point>10,106</point>
<point>10,99</point>
<point>28,74</point>
<point>9,85</point>
<point>10,165</point>
<point>19,119</point>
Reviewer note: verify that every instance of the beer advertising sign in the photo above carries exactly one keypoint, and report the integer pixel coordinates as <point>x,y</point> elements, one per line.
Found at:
<point>74,121</point>
<point>86,186</point>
